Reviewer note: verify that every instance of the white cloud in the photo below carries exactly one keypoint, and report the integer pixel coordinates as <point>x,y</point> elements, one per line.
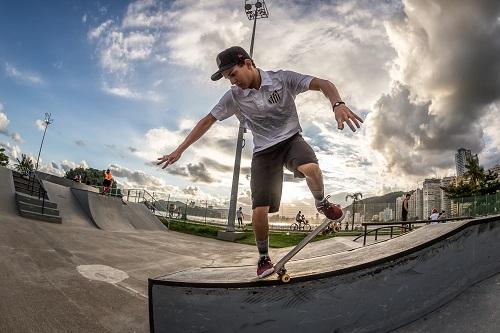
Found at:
<point>4,121</point>
<point>66,165</point>
<point>443,85</point>
<point>126,92</point>
<point>17,137</point>
<point>139,179</point>
<point>23,76</point>
<point>40,124</point>
<point>96,32</point>
<point>12,151</point>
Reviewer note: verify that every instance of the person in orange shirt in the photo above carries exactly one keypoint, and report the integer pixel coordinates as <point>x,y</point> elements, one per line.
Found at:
<point>108,180</point>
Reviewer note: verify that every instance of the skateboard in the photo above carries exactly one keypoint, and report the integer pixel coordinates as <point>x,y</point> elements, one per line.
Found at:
<point>280,269</point>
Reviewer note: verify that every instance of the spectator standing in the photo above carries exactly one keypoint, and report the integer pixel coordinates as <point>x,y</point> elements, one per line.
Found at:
<point>239,215</point>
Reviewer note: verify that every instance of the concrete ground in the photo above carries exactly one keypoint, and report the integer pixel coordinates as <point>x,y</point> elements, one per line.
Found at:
<point>43,290</point>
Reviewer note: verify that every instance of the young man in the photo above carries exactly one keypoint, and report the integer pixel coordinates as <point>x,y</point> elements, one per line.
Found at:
<point>264,102</point>
<point>107,182</point>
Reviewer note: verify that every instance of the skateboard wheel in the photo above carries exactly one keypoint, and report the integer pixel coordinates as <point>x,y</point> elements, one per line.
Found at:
<point>285,278</point>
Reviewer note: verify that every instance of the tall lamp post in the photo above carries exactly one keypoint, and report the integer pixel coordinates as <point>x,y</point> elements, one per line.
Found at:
<point>47,122</point>
<point>254,10</point>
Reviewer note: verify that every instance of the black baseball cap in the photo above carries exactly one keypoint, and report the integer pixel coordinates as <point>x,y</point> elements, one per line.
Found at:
<point>228,58</point>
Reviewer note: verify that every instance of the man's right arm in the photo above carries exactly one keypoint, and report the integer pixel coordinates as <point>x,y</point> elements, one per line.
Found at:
<point>197,132</point>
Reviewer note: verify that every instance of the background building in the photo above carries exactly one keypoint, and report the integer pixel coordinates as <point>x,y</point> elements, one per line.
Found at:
<point>386,215</point>
<point>461,158</point>
<point>399,208</point>
<point>445,202</point>
<point>415,205</point>
<point>431,196</point>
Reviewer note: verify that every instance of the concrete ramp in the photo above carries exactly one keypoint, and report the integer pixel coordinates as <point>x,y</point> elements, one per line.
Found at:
<point>70,210</point>
<point>376,288</point>
<point>7,193</point>
<point>142,218</point>
<point>113,214</point>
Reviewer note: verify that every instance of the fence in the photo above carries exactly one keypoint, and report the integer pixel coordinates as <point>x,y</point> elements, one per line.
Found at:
<point>488,204</point>
<point>216,211</point>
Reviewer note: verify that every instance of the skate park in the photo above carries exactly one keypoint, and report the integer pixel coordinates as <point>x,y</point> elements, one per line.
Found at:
<point>398,104</point>
<point>78,275</point>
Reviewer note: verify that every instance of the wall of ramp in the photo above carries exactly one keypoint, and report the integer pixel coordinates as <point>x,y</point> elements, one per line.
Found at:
<point>113,214</point>
<point>7,192</point>
<point>142,218</point>
<point>371,289</point>
<point>70,210</point>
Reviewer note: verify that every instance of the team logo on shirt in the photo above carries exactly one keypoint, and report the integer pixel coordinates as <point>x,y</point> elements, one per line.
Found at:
<point>274,97</point>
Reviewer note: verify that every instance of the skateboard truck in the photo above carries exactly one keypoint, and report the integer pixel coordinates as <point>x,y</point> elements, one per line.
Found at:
<point>283,276</point>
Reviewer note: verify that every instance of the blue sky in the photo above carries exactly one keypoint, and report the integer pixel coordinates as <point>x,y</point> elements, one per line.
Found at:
<point>125,81</point>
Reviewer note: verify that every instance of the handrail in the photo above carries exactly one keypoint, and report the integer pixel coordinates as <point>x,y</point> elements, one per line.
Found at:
<point>145,195</point>
<point>40,186</point>
<point>400,224</point>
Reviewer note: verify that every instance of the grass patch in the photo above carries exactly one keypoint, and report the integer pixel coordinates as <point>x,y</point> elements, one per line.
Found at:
<point>192,228</point>
<point>276,239</point>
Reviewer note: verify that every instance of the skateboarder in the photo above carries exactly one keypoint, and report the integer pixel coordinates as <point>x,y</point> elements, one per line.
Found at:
<point>107,182</point>
<point>264,102</point>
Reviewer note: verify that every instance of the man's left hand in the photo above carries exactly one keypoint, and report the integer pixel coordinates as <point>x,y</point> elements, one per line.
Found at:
<point>344,114</point>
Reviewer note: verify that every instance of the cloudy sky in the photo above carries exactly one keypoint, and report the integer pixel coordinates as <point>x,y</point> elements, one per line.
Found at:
<point>126,81</point>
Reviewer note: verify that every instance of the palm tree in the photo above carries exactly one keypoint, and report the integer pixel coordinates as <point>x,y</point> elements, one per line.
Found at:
<point>25,165</point>
<point>475,173</point>
<point>355,198</point>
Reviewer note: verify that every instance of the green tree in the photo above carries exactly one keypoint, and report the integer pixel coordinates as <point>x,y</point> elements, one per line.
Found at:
<point>4,159</point>
<point>474,182</point>
<point>90,176</point>
<point>474,173</point>
<point>25,165</point>
<point>489,184</point>
<point>459,190</point>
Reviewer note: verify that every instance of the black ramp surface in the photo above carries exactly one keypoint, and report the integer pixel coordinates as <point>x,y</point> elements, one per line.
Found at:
<point>371,289</point>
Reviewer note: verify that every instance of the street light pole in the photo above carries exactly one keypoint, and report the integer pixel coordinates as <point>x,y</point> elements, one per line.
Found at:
<point>254,10</point>
<point>47,122</point>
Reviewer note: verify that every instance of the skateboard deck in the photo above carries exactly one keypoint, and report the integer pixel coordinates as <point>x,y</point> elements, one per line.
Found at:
<point>280,269</point>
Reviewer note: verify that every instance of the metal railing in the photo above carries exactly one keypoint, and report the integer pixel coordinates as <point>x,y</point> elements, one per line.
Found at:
<point>141,195</point>
<point>31,188</point>
<point>402,225</point>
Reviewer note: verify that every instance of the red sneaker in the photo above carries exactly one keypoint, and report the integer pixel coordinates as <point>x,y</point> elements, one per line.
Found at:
<point>264,267</point>
<point>330,210</point>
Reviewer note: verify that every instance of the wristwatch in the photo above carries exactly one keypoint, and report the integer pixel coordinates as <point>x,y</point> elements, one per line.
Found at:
<point>337,104</point>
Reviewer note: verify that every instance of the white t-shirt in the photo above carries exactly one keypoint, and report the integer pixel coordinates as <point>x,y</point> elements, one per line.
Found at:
<point>434,216</point>
<point>269,112</point>
<point>239,214</point>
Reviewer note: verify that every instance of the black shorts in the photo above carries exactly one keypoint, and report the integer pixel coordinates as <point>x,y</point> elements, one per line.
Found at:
<point>266,180</point>
<point>106,183</point>
<point>404,215</point>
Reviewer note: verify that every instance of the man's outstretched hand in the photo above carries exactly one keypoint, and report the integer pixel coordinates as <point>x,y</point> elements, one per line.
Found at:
<point>169,159</point>
<point>344,114</point>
